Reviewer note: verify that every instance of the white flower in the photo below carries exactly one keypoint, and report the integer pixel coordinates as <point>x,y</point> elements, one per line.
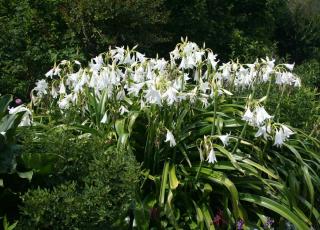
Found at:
<point>65,102</point>
<point>282,135</point>
<point>175,53</point>
<point>286,131</point>
<point>104,118</point>
<point>279,138</point>
<point>261,115</point>
<point>212,157</point>
<point>212,58</point>
<point>41,87</point>
<point>170,138</point>
<point>62,89</point>
<point>26,118</point>
<point>153,96</point>
<point>123,110</point>
<point>263,131</point>
<point>297,82</point>
<point>182,64</point>
<point>289,66</point>
<point>248,115</point>
<point>170,95</point>
<point>50,73</point>
<point>225,139</point>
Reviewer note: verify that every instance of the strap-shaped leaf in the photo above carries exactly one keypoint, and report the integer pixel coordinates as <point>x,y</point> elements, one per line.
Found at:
<point>276,207</point>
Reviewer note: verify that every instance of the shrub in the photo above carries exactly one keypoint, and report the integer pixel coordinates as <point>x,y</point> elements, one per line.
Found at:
<point>88,186</point>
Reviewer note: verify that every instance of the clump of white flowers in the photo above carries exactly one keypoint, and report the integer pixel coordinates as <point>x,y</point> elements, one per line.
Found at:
<point>126,78</point>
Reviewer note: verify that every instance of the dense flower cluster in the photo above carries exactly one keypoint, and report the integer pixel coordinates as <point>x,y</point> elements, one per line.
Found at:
<point>193,75</point>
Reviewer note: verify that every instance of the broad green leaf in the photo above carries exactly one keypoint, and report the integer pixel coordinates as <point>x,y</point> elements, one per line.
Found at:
<point>207,218</point>
<point>4,103</point>
<point>172,177</point>
<point>221,178</point>
<point>276,207</point>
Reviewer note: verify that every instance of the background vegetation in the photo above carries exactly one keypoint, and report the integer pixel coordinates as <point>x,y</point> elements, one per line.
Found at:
<point>35,34</point>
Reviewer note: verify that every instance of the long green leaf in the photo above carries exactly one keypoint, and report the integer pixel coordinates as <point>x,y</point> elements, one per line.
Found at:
<point>276,207</point>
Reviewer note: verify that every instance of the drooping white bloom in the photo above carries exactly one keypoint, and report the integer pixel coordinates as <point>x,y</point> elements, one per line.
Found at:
<point>264,131</point>
<point>96,63</point>
<point>140,56</point>
<point>41,87</point>
<point>170,95</point>
<point>211,157</point>
<point>248,115</point>
<point>297,82</point>
<point>62,89</point>
<point>225,139</point>
<point>279,138</point>
<point>289,66</point>
<point>286,131</point>
<point>170,138</point>
<point>123,110</point>
<point>134,89</point>
<point>54,92</point>
<point>183,64</point>
<point>65,102</point>
<point>26,118</point>
<point>212,58</point>
<point>282,135</point>
<point>175,53</point>
<point>104,118</point>
<point>261,115</point>
<point>50,73</point>
<point>152,96</point>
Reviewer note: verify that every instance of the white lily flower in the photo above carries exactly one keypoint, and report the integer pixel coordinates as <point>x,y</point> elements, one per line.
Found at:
<point>41,87</point>
<point>261,115</point>
<point>248,115</point>
<point>263,131</point>
<point>282,135</point>
<point>152,96</point>
<point>175,53</point>
<point>212,157</point>
<point>123,110</point>
<point>65,102</point>
<point>225,139</point>
<point>286,131</point>
<point>170,138</point>
<point>26,118</point>
<point>104,118</point>
<point>297,82</point>
<point>62,89</point>
<point>289,66</point>
<point>212,58</point>
<point>170,95</point>
<point>279,138</point>
<point>50,73</point>
<point>183,64</point>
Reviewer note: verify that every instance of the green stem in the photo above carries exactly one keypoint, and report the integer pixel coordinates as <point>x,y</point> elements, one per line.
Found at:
<point>279,102</point>
<point>213,129</point>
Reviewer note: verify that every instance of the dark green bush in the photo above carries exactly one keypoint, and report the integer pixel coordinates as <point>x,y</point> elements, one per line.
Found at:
<point>92,185</point>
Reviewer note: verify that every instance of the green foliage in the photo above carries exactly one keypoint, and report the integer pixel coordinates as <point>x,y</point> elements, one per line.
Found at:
<point>9,147</point>
<point>35,34</point>
<point>309,72</point>
<point>87,184</point>
<point>190,176</point>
